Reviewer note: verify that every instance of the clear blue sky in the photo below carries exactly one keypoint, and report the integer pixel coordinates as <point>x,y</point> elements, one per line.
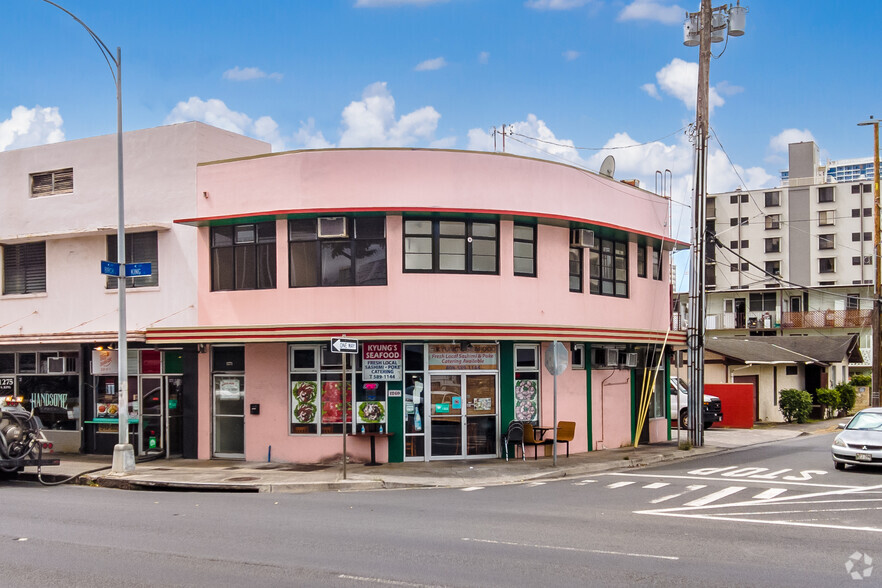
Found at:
<point>579,73</point>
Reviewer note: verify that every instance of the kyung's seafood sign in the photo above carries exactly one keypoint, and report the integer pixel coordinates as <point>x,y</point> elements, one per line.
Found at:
<point>381,362</point>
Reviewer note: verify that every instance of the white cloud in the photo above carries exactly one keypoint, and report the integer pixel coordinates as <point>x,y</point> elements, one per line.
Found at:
<point>245,74</point>
<point>443,143</point>
<point>654,11</point>
<point>780,142</point>
<point>571,55</point>
<point>28,127</point>
<point>484,57</point>
<point>548,145</point>
<point>431,64</point>
<point>383,3</point>
<point>556,4</point>
<point>308,138</point>
<point>680,79</point>
<point>216,113</point>
<point>370,122</point>
<point>651,90</point>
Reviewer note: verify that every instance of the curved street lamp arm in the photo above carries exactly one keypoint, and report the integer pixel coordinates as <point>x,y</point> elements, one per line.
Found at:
<point>107,53</point>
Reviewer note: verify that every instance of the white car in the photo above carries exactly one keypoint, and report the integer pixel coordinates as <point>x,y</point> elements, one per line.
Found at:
<point>860,442</point>
<point>713,408</point>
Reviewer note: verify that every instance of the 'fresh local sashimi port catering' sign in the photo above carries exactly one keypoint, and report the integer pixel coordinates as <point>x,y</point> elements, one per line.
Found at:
<point>381,362</point>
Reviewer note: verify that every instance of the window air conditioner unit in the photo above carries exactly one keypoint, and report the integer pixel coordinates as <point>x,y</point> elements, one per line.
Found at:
<point>631,360</point>
<point>332,227</point>
<point>582,238</point>
<point>55,365</point>
<point>612,358</point>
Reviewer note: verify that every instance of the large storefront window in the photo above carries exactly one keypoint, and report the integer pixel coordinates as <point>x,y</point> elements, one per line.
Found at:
<point>317,388</point>
<point>48,383</point>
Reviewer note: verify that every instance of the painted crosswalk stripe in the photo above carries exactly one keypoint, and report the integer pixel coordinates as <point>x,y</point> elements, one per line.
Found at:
<point>692,488</point>
<point>472,488</point>
<point>770,493</point>
<point>655,485</point>
<point>619,484</point>
<point>715,496</point>
<point>583,482</point>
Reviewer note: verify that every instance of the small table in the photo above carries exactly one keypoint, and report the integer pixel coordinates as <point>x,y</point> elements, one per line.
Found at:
<point>373,436</point>
<point>540,432</point>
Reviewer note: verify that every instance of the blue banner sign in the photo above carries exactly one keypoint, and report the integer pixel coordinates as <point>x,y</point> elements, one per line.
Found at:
<point>110,268</point>
<point>135,270</point>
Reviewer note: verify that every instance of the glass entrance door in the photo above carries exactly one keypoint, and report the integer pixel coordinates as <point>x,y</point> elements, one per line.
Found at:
<point>229,416</point>
<point>463,416</point>
<point>152,415</point>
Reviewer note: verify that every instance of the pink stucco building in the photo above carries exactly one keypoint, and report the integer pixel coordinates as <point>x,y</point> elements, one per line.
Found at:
<point>450,273</point>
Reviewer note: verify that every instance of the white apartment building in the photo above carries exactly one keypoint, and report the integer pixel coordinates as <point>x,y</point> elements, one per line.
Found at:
<point>57,310</point>
<point>796,260</point>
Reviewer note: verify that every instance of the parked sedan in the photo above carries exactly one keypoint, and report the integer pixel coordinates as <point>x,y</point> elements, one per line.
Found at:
<point>860,442</point>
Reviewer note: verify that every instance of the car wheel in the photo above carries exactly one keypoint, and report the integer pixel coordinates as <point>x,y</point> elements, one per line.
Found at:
<point>684,419</point>
<point>839,465</point>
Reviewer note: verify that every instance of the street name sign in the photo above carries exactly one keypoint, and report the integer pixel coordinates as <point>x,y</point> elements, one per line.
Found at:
<point>342,345</point>
<point>134,270</point>
<point>110,268</point>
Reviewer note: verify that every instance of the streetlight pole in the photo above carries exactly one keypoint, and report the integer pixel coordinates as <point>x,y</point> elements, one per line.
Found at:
<point>877,282</point>
<point>123,452</point>
<point>702,28</point>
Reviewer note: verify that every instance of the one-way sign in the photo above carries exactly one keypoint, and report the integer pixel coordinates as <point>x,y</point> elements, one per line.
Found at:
<point>341,345</point>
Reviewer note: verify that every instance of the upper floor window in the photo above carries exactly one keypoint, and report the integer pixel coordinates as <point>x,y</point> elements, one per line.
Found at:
<point>762,302</point>
<point>243,257</point>
<point>576,269</point>
<point>773,245</point>
<point>856,188</point>
<point>337,251</point>
<point>608,272</point>
<point>826,241</point>
<point>825,217</point>
<point>656,263</point>
<point>24,268</point>
<point>140,247</point>
<point>852,301</point>
<point>525,250</point>
<point>59,181</point>
<point>451,246</point>
<point>773,267</point>
<point>711,207</point>
<point>826,265</point>
<point>773,198</point>
<point>641,261</point>
<point>825,194</point>
<point>734,198</point>
<point>773,221</point>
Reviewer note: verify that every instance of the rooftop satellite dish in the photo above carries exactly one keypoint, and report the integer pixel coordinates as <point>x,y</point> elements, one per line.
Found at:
<point>608,167</point>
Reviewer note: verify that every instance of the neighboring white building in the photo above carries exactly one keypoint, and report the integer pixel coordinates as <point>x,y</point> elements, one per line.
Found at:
<point>796,260</point>
<point>59,205</point>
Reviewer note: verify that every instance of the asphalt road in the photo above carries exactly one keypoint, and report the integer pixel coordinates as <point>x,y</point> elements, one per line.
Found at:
<point>775,515</point>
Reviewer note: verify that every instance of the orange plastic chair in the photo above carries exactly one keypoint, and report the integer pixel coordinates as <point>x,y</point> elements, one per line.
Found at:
<point>566,432</point>
<point>530,439</point>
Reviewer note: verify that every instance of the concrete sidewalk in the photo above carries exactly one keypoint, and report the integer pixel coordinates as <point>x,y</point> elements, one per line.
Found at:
<point>242,476</point>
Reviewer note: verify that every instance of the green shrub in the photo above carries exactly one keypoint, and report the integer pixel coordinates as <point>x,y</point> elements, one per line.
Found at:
<point>829,399</point>
<point>795,404</point>
<point>847,396</point>
<point>860,380</point>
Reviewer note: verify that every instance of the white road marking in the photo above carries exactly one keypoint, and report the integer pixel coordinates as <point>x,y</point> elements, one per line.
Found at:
<point>385,581</point>
<point>715,496</point>
<point>619,484</point>
<point>729,480</point>
<point>534,484</point>
<point>770,493</point>
<point>670,496</point>
<point>583,482</point>
<point>472,488</point>
<point>798,499</point>
<point>655,485</point>
<point>577,549</point>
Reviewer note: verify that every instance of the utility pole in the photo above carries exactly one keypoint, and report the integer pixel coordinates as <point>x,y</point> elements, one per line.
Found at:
<point>702,28</point>
<point>877,295</point>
